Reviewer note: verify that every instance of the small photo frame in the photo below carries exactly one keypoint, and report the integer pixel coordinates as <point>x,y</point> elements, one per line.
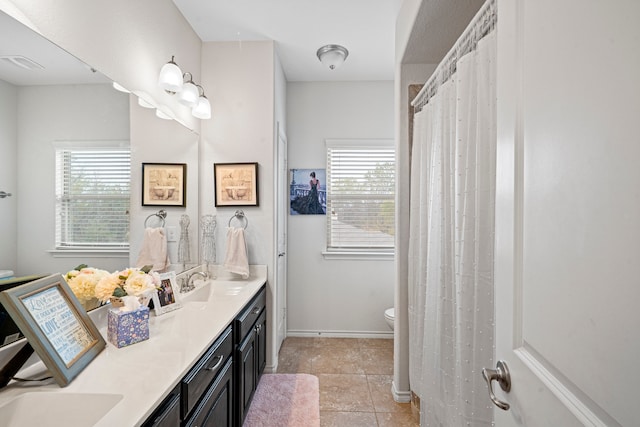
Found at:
<point>236,184</point>
<point>55,325</point>
<point>167,298</point>
<point>164,184</point>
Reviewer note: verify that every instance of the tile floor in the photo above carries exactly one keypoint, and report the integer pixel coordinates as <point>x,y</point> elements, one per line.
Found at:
<point>355,380</point>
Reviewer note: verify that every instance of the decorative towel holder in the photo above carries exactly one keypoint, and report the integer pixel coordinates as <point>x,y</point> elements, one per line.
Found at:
<point>161,215</point>
<point>240,216</point>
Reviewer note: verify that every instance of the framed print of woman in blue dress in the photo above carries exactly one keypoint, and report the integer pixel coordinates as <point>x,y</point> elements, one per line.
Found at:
<point>308,192</point>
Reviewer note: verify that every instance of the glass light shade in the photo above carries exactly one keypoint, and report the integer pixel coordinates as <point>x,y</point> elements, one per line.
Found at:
<point>189,95</point>
<point>145,104</point>
<point>163,115</point>
<point>203,109</point>
<point>119,87</point>
<point>332,55</point>
<point>170,78</point>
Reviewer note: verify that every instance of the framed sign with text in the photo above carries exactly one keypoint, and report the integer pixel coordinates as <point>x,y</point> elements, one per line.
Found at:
<point>55,325</point>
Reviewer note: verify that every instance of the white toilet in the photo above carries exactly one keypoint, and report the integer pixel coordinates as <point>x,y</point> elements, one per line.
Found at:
<point>389,316</point>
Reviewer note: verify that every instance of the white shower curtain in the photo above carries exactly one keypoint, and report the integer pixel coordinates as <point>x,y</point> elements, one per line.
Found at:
<point>451,245</point>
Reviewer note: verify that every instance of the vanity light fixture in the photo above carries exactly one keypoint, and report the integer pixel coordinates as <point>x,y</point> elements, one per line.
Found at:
<point>332,55</point>
<point>170,78</point>
<point>120,88</point>
<point>189,94</point>
<point>173,81</point>
<point>203,109</point>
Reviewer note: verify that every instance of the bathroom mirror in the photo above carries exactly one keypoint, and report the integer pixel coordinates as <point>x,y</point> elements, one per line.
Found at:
<point>47,96</point>
<point>44,94</point>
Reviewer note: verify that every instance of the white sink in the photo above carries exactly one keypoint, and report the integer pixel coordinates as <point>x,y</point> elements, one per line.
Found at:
<point>201,293</point>
<point>62,409</point>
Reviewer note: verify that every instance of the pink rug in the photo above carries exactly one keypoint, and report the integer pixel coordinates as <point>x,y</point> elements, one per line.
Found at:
<point>285,400</point>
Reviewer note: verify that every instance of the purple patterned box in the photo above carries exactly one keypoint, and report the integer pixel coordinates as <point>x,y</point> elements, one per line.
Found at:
<point>127,327</point>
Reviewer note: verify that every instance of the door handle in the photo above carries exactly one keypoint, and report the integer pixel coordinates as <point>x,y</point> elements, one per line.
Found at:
<point>500,374</point>
<point>4,194</point>
<point>281,254</point>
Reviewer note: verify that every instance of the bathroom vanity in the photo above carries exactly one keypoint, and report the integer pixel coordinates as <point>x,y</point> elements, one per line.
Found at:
<point>199,367</point>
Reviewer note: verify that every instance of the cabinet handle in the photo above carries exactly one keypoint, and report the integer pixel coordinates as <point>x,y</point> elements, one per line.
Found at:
<point>256,310</point>
<point>218,363</point>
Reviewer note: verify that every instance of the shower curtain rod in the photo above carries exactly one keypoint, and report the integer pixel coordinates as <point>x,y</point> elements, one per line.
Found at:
<point>482,23</point>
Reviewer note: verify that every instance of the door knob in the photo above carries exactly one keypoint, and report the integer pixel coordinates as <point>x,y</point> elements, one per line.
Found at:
<point>281,254</point>
<point>500,374</point>
<point>3,194</point>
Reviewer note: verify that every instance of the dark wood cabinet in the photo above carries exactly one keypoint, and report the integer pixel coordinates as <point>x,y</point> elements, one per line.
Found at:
<point>250,354</point>
<point>218,389</point>
<point>167,414</point>
<point>216,407</point>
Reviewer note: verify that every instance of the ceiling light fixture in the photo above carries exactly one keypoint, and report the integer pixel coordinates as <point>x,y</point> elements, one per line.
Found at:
<point>332,55</point>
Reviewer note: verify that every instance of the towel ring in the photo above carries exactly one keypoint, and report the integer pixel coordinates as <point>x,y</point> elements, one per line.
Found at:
<point>161,214</point>
<point>240,216</point>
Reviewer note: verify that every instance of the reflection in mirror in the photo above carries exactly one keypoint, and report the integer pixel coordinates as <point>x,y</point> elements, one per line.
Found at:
<point>48,100</point>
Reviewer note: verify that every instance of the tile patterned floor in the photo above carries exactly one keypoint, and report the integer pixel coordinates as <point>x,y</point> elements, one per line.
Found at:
<point>355,380</point>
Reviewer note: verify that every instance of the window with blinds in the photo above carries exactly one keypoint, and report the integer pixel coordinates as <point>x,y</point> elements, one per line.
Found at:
<point>360,195</point>
<point>92,197</point>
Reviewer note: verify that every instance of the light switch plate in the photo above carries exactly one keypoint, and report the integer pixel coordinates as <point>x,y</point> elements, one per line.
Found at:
<point>172,234</point>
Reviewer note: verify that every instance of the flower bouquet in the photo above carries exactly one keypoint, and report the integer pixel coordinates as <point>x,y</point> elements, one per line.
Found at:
<point>94,287</point>
<point>139,283</point>
<point>83,281</point>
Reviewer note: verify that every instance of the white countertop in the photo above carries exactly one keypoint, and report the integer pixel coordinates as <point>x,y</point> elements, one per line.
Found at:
<point>142,374</point>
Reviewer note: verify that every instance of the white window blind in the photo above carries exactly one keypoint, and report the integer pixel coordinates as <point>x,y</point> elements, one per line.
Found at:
<point>92,197</point>
<point>360,195</point>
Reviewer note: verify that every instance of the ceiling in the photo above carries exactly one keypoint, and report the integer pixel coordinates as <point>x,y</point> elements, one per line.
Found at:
<point>59,67</point>
<point>299,27</point>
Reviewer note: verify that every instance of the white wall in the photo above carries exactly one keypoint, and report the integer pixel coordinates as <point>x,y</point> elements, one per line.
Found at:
<point>58,113</point>
<point>8,150</point>
<point>239,77</point>
<point>334,297</point>
<point>128,41</point>
<point>162,141</point>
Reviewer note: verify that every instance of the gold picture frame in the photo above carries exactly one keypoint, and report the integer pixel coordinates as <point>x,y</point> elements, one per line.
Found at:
<point>236,184</point>
<point>55,325</point>
<point>164,184</point>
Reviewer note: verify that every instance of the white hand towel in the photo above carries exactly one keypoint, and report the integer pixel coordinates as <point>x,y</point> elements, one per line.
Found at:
<point>154,250</point>
<point>236,259</point>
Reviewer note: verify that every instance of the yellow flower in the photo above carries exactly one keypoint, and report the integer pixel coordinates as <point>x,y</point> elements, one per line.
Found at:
<point>138,283</point>
<point>105,287</point>
<point>83,282</point>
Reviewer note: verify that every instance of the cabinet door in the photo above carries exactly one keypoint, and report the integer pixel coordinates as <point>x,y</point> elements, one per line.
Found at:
<point>168,412</point>
<point>246,374</point>
<point>261,345</point>
<point>216,408</point>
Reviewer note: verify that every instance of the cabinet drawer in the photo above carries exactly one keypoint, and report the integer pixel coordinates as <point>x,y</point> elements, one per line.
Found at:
<point>204,372</point>
<point>245,321</point>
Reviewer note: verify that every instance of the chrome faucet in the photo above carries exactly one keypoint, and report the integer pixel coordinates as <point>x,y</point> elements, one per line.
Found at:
<point>187,285</point>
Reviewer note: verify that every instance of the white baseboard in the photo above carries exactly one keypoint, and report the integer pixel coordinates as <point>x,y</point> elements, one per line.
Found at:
<point>340,334</point>
<point>400,396</point>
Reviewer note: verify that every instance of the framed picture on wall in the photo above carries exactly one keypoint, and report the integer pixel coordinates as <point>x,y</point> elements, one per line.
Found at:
<point>236,184</point>
<point>308,192</point>
<point>164,184</point>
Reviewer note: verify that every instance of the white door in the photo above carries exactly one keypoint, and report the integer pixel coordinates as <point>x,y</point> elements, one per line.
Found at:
<point>282,191</point>
<point>8,172</point>
<point>568,212</point>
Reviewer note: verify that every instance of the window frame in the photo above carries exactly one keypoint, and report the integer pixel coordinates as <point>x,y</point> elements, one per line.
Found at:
<point>356,252</point>
<point>63,249</point>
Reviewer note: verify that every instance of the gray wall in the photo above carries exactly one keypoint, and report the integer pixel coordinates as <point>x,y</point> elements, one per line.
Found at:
<point>334,297</point>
